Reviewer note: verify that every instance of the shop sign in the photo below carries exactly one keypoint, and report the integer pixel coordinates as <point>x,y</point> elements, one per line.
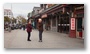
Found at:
<point>45,15</point>
<point>72,23</point>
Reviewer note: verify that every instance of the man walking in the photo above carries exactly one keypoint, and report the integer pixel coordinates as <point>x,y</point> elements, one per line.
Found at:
<point>40,29</point>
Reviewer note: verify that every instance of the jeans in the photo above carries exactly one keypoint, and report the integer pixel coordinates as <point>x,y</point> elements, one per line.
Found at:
<point>40,35</point>
<point>29,34</point>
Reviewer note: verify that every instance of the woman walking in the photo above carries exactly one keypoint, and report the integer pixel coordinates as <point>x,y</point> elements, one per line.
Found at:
<point>29,30</point>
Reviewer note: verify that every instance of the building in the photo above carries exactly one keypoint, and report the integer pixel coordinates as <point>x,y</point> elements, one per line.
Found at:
<point>8,12</point>
<point>63,18</point>
<point>77,26</point>
<point>33,15</point>
<point>30,16</point>
<point>35,11</point>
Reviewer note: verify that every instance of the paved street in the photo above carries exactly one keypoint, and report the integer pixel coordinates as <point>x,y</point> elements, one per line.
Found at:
<point>18,39</point>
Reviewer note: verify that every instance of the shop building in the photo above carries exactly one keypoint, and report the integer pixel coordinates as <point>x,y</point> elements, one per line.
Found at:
<point>63,18</point>
<point>78,16</point>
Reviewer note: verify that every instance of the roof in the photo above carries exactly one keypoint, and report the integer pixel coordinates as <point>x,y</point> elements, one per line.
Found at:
<point>37,8</point>
<point>50,8</point>
<point>7,10</point>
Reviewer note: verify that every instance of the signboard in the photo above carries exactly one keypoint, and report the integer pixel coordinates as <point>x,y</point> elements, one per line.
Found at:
<point>72,23</point>
<point>44,16</point>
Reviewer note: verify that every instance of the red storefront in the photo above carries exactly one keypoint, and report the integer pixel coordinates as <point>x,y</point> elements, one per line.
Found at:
<point>76,22</point>
<point>66,18</point>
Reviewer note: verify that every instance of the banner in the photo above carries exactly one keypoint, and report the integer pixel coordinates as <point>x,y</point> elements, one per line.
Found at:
<point>72,23</point>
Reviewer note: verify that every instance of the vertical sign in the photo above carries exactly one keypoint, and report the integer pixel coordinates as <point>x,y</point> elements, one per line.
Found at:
<point>72,23</point>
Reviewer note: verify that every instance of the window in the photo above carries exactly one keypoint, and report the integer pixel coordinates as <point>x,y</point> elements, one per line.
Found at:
<point>7,13</point>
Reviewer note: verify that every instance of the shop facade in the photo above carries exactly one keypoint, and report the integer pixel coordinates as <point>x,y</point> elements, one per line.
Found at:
<point>77,20</point>
<point>65,18</point>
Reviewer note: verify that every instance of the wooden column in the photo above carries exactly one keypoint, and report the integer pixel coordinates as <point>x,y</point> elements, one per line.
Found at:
<point>72,33</point>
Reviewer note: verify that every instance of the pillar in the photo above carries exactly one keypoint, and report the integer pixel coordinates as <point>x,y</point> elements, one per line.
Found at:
<point>72,32</point>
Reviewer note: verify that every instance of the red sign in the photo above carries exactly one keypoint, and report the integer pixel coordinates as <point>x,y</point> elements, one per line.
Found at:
<point>72,23</point>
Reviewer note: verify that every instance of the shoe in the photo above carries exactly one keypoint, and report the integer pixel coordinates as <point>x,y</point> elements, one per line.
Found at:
<point>28,40</point>
<point>40,40</point>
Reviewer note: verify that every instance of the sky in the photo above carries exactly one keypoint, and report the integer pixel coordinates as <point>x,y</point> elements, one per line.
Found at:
<point>20,8</point>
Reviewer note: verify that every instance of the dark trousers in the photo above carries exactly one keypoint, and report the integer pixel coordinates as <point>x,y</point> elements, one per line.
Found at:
<point>29,34</point>
<point>40,35</point>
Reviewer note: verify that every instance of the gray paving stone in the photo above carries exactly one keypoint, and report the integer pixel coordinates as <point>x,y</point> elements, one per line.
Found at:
<point>18,39</point>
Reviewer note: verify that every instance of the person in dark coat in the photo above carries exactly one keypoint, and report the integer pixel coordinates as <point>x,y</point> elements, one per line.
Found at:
<point>29,30</point>
<point>40,29</point>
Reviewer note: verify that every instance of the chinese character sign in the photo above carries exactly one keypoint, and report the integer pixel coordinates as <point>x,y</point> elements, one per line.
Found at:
<point>72,23</point>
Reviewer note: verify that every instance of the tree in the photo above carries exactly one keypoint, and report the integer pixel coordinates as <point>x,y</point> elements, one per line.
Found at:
<point>21,19</point>
<point>13,20</point>
<point>7,19</point>
<point>24,21</point>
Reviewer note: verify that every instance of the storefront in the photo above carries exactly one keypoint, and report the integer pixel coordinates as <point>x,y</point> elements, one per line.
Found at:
<point>46,21</point>
<point>79,12</point>
<point>59,22</point>
<point>65,19</point>
<point>76,21</point>
<point>63,23</point>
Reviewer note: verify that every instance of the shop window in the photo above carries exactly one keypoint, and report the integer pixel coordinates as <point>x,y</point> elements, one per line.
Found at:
<point>79,24</point>
<point>53,22</point>
<point>67,22</point>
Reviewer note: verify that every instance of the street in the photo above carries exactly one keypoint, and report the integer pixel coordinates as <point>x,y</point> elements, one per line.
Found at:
<point>18,39</point>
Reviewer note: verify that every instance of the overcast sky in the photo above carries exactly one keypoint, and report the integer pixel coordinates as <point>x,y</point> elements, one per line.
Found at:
<point>20,8</point>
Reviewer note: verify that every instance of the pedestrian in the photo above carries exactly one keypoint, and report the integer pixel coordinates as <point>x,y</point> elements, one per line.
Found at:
<point>40,29</point>
<point>33,25</point>
<point>29,30</point>
<point>23,27</point>
<point>10,25</point>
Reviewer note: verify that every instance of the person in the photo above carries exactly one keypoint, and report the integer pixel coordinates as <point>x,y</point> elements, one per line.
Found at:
<point>40,29</point>
<point>23,27</point>
<point>29,30</point>
<point>10,25</point>
<point>33,25</point>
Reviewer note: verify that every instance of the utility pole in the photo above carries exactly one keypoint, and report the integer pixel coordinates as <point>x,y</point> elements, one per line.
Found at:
<point>11,14</point>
